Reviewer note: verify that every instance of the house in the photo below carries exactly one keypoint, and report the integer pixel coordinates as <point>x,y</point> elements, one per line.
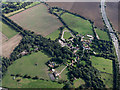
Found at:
<point>24,52</point>
<point>53,70</point>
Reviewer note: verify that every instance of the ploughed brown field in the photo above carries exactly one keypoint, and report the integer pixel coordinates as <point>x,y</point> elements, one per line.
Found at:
<point>8,46</point>
<point>89,10</point>
<point>112,13</point>
<point>4,38</point>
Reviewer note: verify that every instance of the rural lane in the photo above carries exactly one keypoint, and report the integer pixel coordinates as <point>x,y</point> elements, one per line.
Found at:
<point>113,36</point>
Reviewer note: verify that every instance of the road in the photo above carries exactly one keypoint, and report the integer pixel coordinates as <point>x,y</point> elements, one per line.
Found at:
<point>114,38</point>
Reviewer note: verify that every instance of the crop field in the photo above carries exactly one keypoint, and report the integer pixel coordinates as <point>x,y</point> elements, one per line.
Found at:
<point>8,31</point>
<point>102,34</point>
<point>89,10</point>
<point>8,46</point>
<point>77,24</point>
<point>54,35</point>
<point>37,19</point>
<point>28,83</point>
<point>107,79</point>
<point>67,35</point>
<point>104,65</point>
<point>78,82</point>
<point>33,65</point>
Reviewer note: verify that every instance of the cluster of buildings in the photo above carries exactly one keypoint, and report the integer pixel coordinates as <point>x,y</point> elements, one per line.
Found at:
<point>53,75</point>
<point>86,42</point>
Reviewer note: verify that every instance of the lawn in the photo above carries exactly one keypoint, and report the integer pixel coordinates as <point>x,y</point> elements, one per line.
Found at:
<point>28,83</point>
<point>104,65</point>
<point>26,65</point>
<point>77,24</point>
<point>78,82</point>
<point>63,75</point>
<point>67,35</point>
<point>54,35</point>
<point>8,31</point>
<point>102,34</point>
<point>107,79</point>
<point>37,19</point>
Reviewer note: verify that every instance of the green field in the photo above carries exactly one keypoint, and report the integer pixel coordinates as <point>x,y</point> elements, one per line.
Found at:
<point>28,83</point>
<point>107,79</point>
<point>8,31</point>
<point>63,75</point>
<point>77,24</point>
<point>78,82</point>
<point>26,65</point>
<point>37,19</point>
<point>54,35</point>
<point>102,34</point>
<point>104,65</point>
<point>67,35</point>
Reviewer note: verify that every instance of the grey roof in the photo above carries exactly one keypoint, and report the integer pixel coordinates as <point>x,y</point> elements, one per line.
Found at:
<point>51,76</point>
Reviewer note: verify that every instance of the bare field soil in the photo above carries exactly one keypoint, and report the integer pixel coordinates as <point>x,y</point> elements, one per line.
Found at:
<point>9,46</point>
<point>4,38</point>
<point>112,13</point>
<point>89,10</point>
<point>37,19</point>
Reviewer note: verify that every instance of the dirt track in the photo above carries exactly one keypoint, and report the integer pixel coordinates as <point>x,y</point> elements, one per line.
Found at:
<point>9,46</point>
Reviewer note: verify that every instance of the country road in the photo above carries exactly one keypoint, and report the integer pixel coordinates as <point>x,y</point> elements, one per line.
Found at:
<point>114,38</point>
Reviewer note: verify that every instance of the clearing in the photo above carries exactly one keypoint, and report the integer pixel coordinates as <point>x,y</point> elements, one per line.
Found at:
<point>37,19</point>
<point>102,64</point>
<point>33,65</point>
<point>103,35</point>
<point>78,24</point>
<point>107,79</point>
<point>78,82</point>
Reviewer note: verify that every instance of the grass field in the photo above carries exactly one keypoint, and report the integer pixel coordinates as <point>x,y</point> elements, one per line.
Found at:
<point>107,79</point>
<point>104,65</point>
<point>8,31</point>
<point>78,82</point>
<point>102,34</point>
<point>54,35</point>
<point>77,24</point>
<point>37,19</point>
<point>67,35</point>
<point>26,65</point>
<point>63,75</point>
<point>28,83</point>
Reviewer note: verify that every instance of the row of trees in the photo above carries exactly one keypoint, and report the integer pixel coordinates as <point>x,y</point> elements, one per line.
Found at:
<point>14,6</point>
<point>103,48</point>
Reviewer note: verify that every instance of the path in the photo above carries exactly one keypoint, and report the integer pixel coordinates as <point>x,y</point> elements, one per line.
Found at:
<point>62,70</point>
